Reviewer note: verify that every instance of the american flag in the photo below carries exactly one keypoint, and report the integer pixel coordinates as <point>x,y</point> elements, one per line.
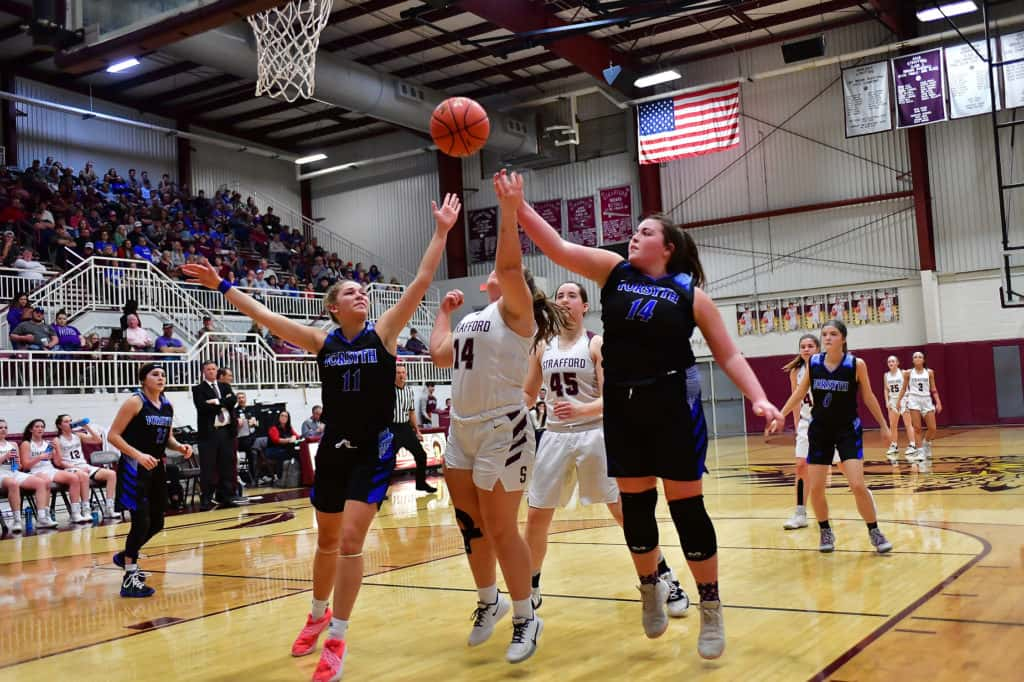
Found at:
<point>690,124</point>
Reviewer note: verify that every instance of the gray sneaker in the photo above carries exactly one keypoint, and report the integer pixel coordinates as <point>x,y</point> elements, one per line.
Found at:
<point>711,642</point>
<point>879,541</point>
<point>485,616</point>
<point>655,618</point>
<point>828,541</point>
<point>525,635</point>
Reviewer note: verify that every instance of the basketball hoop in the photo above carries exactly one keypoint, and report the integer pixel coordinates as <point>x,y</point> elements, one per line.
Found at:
<point>287,38</point>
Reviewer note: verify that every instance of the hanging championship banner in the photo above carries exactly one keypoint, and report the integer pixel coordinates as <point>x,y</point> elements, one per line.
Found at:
<point>814,312</point>
<point>920,89</point>
<point>746,319</point>
<point>551,211</point>
<point>792,314</point>
<point>888,305</point>
<point>866,99</point>
<point>483,234</point>
<point>969,91</point>
<point>582,221</point>
<point>770,316</point>
<point>862,309</point>
<point>616,214</point>
<point>1013,74</point>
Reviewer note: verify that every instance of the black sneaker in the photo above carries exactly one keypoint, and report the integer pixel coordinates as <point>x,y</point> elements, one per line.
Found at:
<point>426,487</point>
<point>133,585</point>
<point>119,562</point>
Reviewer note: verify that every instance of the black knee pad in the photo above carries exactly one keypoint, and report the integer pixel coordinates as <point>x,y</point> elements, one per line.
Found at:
<point>696,532</point>
<point>638,522</point>
<point>468,529</point>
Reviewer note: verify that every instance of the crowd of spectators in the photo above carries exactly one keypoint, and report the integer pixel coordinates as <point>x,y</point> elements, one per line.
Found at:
<point>49,210</point>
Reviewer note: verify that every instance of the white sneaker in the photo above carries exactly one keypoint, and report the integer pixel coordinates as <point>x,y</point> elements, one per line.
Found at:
<point>654,597</point>
<point>16,524</point>
<point>711,642</point>
<point>110,512</point>
<point>525,635</point>
<point>44,520</point>
<point>910,453</point>
<point>535,598</point>
<point>678,602</point>
<point>485,617</point>
<point>893,450</point>
<point>77,516</point>
<point>797,520</point>
<point>925,451</point>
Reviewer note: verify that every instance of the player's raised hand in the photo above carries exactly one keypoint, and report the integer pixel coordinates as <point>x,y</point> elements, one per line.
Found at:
<point>446,214</point>
<point>452,301</point>
<point>201,273</point>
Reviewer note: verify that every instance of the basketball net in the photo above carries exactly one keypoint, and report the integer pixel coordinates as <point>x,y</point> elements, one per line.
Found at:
<point>287,38</point>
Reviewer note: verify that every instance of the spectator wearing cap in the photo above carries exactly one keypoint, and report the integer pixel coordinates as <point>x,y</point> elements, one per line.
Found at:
<point>28,268</point>
<point>34,334</point>
<point>415,345</point>
<point>167,342</point>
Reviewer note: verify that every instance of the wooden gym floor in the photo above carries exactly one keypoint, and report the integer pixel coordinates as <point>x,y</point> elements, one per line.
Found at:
<point>233,586</point>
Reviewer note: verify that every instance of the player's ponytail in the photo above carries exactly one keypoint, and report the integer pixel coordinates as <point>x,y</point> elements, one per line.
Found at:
<point>551,319</point>
<point>684,256</point>
<point>798,361</point>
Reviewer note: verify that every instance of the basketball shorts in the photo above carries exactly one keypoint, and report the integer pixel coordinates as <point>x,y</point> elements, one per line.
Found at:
<point>803,444</point>
<point>89,469</point>
<point>498,448</point>
<point>19,476</point>
<point>825,441</point>
<point>348,471</point>
<point>46,474</point>
<point>141,488</point>
<point>565,458</point>
<point>656,429</point>
<point>920,403</point>
<point>899,408</point>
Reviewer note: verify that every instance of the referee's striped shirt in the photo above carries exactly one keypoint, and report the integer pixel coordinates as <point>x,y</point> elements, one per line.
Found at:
<point>405,401</point>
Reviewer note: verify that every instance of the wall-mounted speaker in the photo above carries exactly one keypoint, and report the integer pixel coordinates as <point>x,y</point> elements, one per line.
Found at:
<point>804,49</point>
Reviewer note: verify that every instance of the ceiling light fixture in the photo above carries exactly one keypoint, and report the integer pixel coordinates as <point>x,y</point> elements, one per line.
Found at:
<point>950,9</point>
<point>657,78</point>
<point>310,159</point>
<point>123,65</point>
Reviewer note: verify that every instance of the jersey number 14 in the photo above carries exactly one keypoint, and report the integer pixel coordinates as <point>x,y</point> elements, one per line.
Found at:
<point>642,309</point>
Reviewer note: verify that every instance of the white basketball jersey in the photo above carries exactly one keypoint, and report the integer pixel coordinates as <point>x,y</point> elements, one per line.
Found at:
<point>570,376</point>
<point>893,385</point>
<point>919,384</point>
<point>71,450</point>
<point>489,367</point>
<point>5,449</point>
<point>36,450</point>
<point>808,401</point>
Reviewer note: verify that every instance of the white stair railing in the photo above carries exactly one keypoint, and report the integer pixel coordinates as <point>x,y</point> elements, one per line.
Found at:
<point>252,362</point>
<point>109,283</point>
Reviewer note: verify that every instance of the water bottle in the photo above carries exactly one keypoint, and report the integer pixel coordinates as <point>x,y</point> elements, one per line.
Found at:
<point>29,521</point>
<point>14,462</point>
<point>80,423</point>
<point>95,514</point>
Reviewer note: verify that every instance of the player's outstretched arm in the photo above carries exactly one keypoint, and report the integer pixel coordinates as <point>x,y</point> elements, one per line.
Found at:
<point>442,352</point>
<point>310,339</point>
<point>594,264</point>
<point>392,322</point>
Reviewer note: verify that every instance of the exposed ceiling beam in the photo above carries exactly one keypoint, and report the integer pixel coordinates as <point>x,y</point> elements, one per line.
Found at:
<point>589,54</point>
<point>359,10</point>
<point>285,124</point>
<point>769,40</point>
<point>694,19</point>
<point>740,29</point>
<point>147,105</point>
<point>888,13</point>
<point>362,135</point>
<point>219,100</point>
<point>531,81</point>
<point>195,88</point>
<point>502,69</point>
<point>385,31</point>
<point>155,75</point>
<point>315,133</point>
<point>11,31</point>
<point>277,107</point>
<point>159,34</point>
<point>422,44</point>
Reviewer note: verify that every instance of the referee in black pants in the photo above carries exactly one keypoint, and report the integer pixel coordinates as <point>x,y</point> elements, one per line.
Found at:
<point>405,430</point>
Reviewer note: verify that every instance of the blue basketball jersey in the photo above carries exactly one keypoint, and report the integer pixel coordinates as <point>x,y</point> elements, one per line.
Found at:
<point>835,392</point>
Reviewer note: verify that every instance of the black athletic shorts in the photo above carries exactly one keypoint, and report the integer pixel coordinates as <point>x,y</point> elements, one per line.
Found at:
<point>824,439</point>
<point>141,488</point>
<point>656,429</point>
<point>348,471</point>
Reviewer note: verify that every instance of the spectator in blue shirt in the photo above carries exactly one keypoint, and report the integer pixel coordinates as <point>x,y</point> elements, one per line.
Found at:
<point>167,343</point>
<point>68,336</point>
<point>142,250</point>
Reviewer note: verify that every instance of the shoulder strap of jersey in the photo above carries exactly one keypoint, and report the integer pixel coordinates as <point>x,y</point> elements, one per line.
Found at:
<point>817,359</point>
<point>685,281</point>
<point>590,336</point>
<point>850,361</point>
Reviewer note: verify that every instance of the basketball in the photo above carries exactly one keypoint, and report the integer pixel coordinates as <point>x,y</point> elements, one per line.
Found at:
<point>459,126</point>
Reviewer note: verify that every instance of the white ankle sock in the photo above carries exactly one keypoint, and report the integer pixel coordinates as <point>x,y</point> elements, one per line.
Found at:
<point>522,608</point>
<point>487,595</point>
<point>319,608</point>
<point>338,629</point>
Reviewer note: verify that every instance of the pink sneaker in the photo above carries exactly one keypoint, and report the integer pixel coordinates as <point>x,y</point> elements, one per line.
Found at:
<point>332,661</point>
<point>306,641</point>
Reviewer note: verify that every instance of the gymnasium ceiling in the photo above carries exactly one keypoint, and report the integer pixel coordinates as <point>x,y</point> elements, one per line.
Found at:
<point>462,48</point>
